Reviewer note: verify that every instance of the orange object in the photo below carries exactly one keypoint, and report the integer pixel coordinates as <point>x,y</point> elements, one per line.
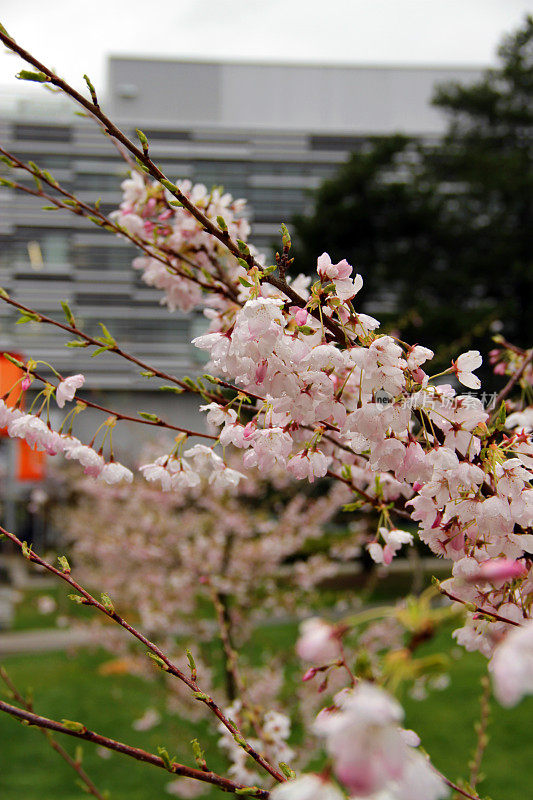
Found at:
<point>29,464</point>
<point>9,375</point>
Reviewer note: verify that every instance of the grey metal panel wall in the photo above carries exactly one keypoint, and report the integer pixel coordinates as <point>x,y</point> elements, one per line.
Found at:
<point>280,96</point>
<point>188,93</point>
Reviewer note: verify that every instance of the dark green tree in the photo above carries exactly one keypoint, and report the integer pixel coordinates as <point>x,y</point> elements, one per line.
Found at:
<point>443,235</point>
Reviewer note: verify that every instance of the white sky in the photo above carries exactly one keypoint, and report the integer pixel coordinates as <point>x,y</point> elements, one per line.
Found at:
<point>74,36</point>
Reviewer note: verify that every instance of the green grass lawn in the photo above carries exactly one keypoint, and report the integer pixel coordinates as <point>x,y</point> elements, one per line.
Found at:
<point>70,686</point>
<point>28,617</point>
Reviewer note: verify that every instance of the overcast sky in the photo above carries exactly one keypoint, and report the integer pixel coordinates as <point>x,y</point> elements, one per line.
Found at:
<point>75,37</point>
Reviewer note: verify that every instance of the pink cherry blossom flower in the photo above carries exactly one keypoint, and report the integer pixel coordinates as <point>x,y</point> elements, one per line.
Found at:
<point>371,752</point>
<point>317,642</point>
<point>394,540</point>
<point>91,461</point>
<point>158,472</point>
<point>307,787</point>
<point>8,414</point>
<point>28,427</point>
<point>225,478</point>
<point>300,315</point>
<point>308,464</point>
<point>67,389</point>
<point>512,665</point>
<point>115,473</point>
<point>218,415</point>
<point>464,366</point>
<point>345,287</point>
<point>363,739</point>
<point>498,569</point>
<point>417,355</point>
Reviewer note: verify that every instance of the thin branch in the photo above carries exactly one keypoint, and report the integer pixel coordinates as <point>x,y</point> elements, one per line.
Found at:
<point>159,423</point>
<point>457,788</point>
<point>96,343</point>
<point>515,377</point>
<point>162,254</point>
<point>373,501</point>
<point>79,731</point>
<point>477,609</point>
<point>164,662</point>
<point>74,763</point>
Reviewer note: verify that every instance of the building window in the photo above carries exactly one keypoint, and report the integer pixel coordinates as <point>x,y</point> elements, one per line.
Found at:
<point>166,135</point>
<point>43,133</point>
<point>335,142</point>
<point>37,251</point>
<point>96,181</point>
<point>104,257</point>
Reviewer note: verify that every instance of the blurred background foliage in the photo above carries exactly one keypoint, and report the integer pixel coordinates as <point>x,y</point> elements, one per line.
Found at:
<point>442,233</point>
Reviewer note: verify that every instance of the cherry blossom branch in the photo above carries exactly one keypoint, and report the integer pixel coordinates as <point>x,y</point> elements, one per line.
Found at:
<point>262,400</point>
<point>85,598</point>
<point>80,208</point>
<point>230,656</point>
<point>79,731</point>
<point>457,788</point>
<point>515,377</point>
<point>114,348</point>
<point>46,75</point>
<point>373,501</point>
<point>159,423</point>
<point>74,763</point>
<point>478,609</point>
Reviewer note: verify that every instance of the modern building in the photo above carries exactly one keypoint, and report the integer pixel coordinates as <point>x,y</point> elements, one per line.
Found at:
<point>268,132</point>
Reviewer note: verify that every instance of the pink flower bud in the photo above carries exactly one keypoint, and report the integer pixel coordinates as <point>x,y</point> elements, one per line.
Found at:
<point>26,383</point>
<point>499,569</point>
<point>301,316</point>
<point>149,207</point>
<point>310,674</point>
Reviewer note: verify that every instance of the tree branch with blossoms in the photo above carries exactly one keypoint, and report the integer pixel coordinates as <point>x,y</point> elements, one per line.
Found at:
<point>106,607</point>
<point>79,731</point>
<point>307,385</point>
<point>78,207</point>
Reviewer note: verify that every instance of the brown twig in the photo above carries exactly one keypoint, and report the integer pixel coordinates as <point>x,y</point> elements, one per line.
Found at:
<point>74,763</point>
<point>160,423</point>
<point>79,731</point>
<point>161,253</point>
<point>457,788</point>
<point>164,662</point>
<point>373,501</point>
<point>478,609</point>
<point>73,329</point>
<point>515,377</point>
